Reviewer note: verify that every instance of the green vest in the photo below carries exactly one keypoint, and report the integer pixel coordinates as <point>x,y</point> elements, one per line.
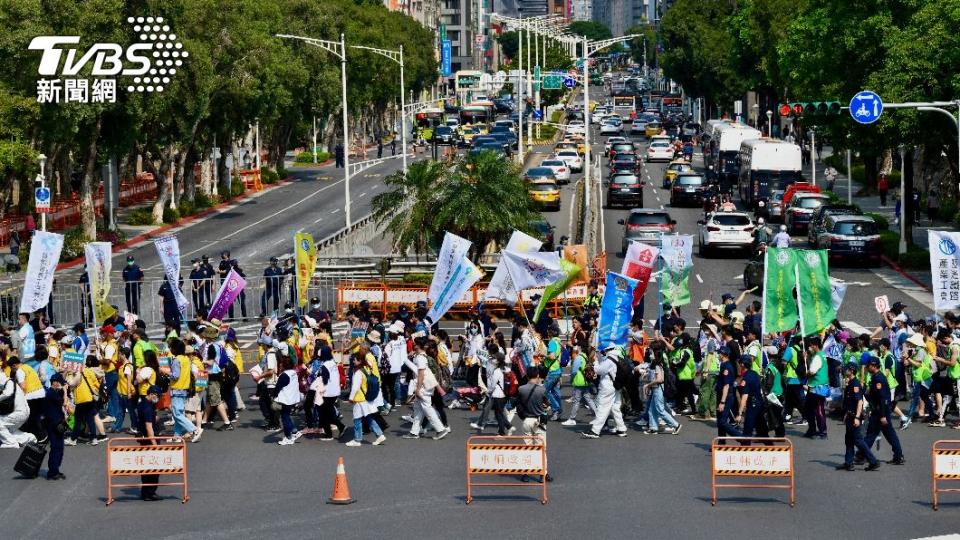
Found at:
<point>790,367</point>
<point>953,371</point>
<point>688,370</point>
<point>578,379</point>
<point>889,372</point>
<point>821,377</point>
<point>711,364</point>
<point>777,387</point>
<point>757,365</point>
<point>922,372</point>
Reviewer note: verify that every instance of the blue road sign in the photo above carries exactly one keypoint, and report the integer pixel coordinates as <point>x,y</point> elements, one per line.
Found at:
<point>569,82</point>
<point>866,107</point>
<point>538,115</point>
<point>42,196</point>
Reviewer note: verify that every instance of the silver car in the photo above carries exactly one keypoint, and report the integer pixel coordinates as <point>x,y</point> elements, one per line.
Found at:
<point>610,128</point>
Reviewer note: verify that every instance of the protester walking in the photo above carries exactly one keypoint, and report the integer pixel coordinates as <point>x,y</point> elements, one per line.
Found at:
<point>364,391</point>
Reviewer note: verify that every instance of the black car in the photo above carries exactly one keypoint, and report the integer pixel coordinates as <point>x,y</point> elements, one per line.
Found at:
<point>850,238</point>
<point>445,135</point>
<point>622,148</point>
<point>502,106</point>
<point>494,147</point>
<point>625,190</point>
<point>688,188</point>
<point>820,214</point>
<point>505,136</point>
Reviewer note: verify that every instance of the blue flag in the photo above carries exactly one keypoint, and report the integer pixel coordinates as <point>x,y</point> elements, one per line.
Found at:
<point>615,310</point>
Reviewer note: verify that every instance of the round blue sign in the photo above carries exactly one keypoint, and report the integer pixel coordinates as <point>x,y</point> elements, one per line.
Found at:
<point>569,82</point>
<point>42,194</point>
<point>947,246</point>
<point>866,107</point>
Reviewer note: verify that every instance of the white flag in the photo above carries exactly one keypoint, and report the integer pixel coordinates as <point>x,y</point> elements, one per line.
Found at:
<point>453,249</point>
<point>168,248</point>
<point>529,270</point>
<point>837,291</point>
<point>501,286</point>
<point>944,268</point>
<point>465,274</point>
<point>38,283</point>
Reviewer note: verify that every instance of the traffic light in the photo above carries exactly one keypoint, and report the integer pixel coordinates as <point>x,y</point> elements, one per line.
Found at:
<point>800,109</point>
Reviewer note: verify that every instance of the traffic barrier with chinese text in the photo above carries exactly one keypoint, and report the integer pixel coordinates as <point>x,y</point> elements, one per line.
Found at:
<point>128,457</point>
<point>945,467</point>
<point>506,456</point>
<point>752,457</point>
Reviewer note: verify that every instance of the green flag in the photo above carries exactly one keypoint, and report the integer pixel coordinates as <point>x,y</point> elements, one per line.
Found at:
<point>780,278</point>
<point>555,289</point>
<point>816,294</point>
<point>675,286</point>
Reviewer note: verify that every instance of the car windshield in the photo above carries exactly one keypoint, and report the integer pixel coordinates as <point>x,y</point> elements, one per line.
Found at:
<point>690,180</point>
<point>731,219</point>
<point>681,167</point>
<point>624,158</point>
<point>540,171</point>
<point>444,130</point>
<point>543,187</point>
<point>660,144</point>
<point>855,228</point>
<point>568,153</point>
<point>649,218</point>
<point>810,202</point>
<point>624,179</point>
<point>553,163</point>
<point>623,147</point>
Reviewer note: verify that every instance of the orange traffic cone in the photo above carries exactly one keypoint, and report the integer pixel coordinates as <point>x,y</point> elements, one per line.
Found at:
<point>341,491</point>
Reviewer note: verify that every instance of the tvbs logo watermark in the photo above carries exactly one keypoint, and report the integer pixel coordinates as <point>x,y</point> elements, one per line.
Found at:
<point>145,66</point>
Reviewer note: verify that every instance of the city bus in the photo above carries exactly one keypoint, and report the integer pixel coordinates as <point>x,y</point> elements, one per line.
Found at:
<point>476,113</point>
<point>427,120</point>
<point>767,165</point>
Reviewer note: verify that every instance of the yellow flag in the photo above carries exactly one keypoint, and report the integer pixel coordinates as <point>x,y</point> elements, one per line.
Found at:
<point>98,272</point>
<point>306,253</point>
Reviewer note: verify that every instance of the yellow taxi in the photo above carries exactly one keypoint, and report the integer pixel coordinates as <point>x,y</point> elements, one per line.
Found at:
<point>469,132</point>
<point>673,169</point>
<point>653,128</point>
<point>544,193</point>
<point>577,140</point>
<point>593,105</point>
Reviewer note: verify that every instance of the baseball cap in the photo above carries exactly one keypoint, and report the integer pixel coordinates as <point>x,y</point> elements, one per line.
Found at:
<point>850,366</point>
<point>726,296</point>
<point>154,389</point>
<point>874,361</point>
<point>724,351</point>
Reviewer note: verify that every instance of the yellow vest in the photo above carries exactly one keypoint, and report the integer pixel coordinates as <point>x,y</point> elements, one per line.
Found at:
<point>123,386</point>
<point>183,382</point>
<point>88,383</point>
<point>31,380</point>
<point>237,357</point>
<point>145,385</point>
<point>111,361</point>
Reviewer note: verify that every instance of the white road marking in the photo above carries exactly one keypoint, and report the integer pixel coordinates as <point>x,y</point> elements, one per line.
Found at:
<point>362,194</point>
<point>661,207</point>
<point>856,328</point>
<point>318,220</point>
<point>335,210</point>
<point>738,277</point>
<point>699,279</point>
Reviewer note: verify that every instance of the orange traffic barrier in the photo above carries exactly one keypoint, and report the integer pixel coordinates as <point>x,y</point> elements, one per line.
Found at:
<point>128,457</point>
<point>752,457</point>
<point>506,456</point>
<point>341,490</point>
<point>945,466</point>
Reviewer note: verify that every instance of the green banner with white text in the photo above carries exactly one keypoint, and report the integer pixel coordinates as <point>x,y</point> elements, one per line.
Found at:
<point>779,301</point>
<point>816,298</point>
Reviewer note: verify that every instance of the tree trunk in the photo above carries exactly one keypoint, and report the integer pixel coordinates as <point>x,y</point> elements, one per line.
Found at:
<point>869,173</point>
<point>88,217</point>
<point>224,173</point>
<point>886,162</point>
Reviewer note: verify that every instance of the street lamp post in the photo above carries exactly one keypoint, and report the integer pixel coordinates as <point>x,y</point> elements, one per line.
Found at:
<point>769,123</point>
<point>813,155</point>
<point>338,49</point>
<point>42,178</point>
<point>903,200</point>
<point>396,56</point>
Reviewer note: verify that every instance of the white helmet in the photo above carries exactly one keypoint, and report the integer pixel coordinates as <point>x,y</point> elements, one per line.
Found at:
<point>760,221</point>
<point>783,228</point>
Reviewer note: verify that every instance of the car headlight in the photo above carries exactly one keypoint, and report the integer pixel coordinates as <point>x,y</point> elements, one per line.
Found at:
<point>762,204</point>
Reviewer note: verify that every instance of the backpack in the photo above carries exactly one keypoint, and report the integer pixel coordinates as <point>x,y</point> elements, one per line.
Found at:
<point>669,384</point>
<point>373,386</point>
<point>622,379</point>
<point>510,383</point>
<point>565,356</point>
<point>442,374</point>
<point>163,382</point>
<point>9,404</point>
<point>222,358</point>
<point>231,373</point>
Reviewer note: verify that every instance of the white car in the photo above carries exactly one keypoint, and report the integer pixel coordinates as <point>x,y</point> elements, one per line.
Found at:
<point>725,230</point>
<point>612,141</point>
<point>610,128</point>
<point>560,169</point>
<point>572,158</point>
<point>576,126</point>
<point>660,150</point>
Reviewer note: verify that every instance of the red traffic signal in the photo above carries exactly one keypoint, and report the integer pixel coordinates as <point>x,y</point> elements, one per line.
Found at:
<point>798,109</point>
<point>785,110</point>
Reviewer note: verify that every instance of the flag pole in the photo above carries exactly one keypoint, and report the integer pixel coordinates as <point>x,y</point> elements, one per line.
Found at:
<point>659,288</point>
<point>796,273</point>
<point>763,299</point>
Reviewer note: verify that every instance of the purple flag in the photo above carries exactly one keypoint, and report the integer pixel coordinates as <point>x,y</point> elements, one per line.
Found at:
<point>229,291</point>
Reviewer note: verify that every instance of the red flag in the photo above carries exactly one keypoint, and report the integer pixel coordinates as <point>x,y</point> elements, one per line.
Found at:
<point>638,264</point>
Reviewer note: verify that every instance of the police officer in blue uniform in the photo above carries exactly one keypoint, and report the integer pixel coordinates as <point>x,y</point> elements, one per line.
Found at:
<point>273,278</point>
<point>208,272</point>
<point>196,285</point>
<point>726,395</point>
<point>751,397</point>
<point>881,421</point>
<point>243,292</point>
<point>852,420</point>
<point>132,283</point>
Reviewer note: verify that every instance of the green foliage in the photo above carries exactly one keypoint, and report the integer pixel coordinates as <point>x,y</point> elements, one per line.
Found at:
<point>593,30</point>
<point>140,216</point>
<point>282,173</point>
<point>307,157</point>
<point>237,187</point>
<point>73,241</point>
<point>882,222</point>
<point>186,208</point>
<point>202,200</point>
<point>417,278</point>
<point>482,199</point>
<point>267,176</point>
<point>170,215</point>
<point>916,258</point>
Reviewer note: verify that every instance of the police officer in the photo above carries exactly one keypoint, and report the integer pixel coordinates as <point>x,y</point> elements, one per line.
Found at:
<point>881,420</point>
<point>243,292</point>
<point>273,277</point>
<point>208,273</point>
<point>196,285</point>
<point>852,418</point>
<point>132,283</point>
<point>726,398</point>
<point>593,297</point>
<point>751,397</point>
<point>223,268</point>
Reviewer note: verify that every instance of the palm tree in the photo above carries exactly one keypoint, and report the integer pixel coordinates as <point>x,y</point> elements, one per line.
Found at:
<point>483,199</point>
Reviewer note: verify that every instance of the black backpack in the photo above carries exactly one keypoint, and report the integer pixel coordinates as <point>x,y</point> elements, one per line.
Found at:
<point>163,382</point>
<point>669,384</point>
<point>622,378</point>
<point>231,374</point>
